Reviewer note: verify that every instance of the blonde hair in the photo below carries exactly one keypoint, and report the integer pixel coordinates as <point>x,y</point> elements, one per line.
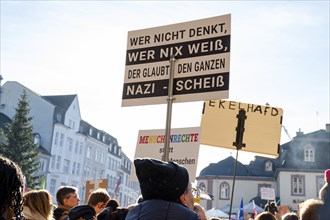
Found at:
<point>39,201</point>
<point>310,209</point>
<point>265,216</point>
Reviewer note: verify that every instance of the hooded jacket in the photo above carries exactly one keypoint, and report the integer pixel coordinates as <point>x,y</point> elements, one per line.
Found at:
<point>161,210</point>
<point>33,216</point>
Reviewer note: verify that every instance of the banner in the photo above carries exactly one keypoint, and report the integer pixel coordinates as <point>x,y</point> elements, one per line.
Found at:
<point>183,149</point>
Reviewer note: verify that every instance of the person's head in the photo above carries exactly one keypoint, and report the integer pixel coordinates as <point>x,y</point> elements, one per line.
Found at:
<point>113,204</point>
<point>290,216</point>
<point>82,212</point>
<point>39,201</point>
<point>271,207</point>
<point>68,196</point>
<point>187,198</point>
<point>98,199</point>
<point>161,180</point>
<point>325,187</point>
<point>11,190</point>
<point>265,216</point>
<point>310,209</point>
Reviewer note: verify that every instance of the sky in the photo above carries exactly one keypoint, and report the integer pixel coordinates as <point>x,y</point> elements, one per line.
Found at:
<point>279,55</point>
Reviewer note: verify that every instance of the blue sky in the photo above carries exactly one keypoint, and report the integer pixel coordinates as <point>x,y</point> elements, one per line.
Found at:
<point>279,55</point>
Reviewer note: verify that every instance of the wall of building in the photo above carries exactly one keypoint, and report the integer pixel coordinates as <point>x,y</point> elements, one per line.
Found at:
<point>310,189</point>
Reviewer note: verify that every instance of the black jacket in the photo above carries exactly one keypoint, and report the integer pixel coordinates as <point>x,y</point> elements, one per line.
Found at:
<point>161,210</point>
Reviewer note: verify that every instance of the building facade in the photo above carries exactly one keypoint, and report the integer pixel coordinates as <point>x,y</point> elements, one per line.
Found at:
<point>296,175</point>
<point>71,150</point>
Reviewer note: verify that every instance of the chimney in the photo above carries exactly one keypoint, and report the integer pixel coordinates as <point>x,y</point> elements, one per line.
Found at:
<point>327,127</point>
<point>299,133</point>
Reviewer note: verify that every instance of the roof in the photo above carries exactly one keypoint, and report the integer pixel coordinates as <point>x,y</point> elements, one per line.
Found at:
<point>225,168</point>
<point>63,101</point>
<point>294,151</point>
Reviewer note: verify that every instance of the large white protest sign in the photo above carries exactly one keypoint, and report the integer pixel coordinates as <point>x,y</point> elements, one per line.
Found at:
<point>201,71</point>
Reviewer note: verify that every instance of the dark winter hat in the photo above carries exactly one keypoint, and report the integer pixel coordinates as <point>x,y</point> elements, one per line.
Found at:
<point>87,212</point>
<point>161,180</point>
<point>327,176</point>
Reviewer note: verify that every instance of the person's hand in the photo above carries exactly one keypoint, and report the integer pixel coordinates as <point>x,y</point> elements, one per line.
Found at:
<point>200,211</point>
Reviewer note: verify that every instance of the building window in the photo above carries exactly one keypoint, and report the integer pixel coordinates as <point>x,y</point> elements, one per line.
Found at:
<point>58,164</point>
<point>103,138</point>
<point>66,166</point>
<point>112,164</point>
<point>224,190</point>
<point>109,163</point>
<point>69,142</point>
<point>268,166</point>
<point>73,168</point>
<point>102,157</point>
<point>61,140</point>
<point>98,135</point>
<point>88,154</point>
<point>319,184</point>
<point>76,147</point>
<point>94,174</point>
<point>298,185</point>
<point>53,161</point>
<point>97,155</point>
<point>80,148</point>
<point>78,169</point>
<point>88,169</point>
<point>90,132</point>
<point>42,165</point>
<point>56,138</point>
<point>52,186</point>
<point>309,153</point>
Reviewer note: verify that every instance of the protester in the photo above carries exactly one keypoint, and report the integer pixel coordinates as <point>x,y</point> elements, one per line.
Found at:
<point>113,211</point>
<point>38,205</point>
<point>271,207</point>
<point>310,209</point>
<point>67,198</point>
<point>324,195</point>
<point>265,216</point>
<point>98,199</point>
<point>119,214</point>
<point>112,205</point>
<point>290,216</point>
<point>11,190</point>
<point>166,191</point>
<point>82,212</point>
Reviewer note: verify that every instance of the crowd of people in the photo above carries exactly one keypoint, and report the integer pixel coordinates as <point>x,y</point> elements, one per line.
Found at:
<point>166,193</point>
